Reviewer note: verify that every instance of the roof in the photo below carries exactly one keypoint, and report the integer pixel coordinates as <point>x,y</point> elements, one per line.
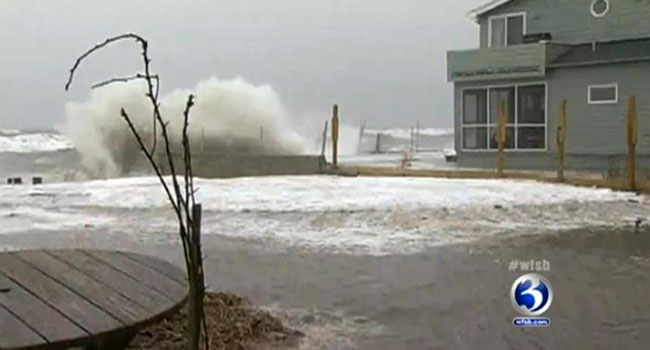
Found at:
<point>629,50</point>
<point>475,13</point>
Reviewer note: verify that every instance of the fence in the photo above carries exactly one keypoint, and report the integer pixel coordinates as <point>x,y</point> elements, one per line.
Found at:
<point>612,176</point>
<point>623,170</point>
<point>398,140</point>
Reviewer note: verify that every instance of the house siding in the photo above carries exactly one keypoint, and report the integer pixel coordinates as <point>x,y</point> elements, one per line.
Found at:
<point>601,129</point>
<point>596,134</point>
<point>572,21</point>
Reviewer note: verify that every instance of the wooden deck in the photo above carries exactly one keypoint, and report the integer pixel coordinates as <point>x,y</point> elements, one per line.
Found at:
<point>55,299</point>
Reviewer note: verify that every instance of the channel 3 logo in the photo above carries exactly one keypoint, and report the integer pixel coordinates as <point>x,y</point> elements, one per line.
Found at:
<point>531,296</point>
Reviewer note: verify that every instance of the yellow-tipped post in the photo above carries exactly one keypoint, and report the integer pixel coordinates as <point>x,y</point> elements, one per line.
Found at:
<point>335,136</point>
<point>632,137</point>
<point>561,141</point>
<point>501,138</point>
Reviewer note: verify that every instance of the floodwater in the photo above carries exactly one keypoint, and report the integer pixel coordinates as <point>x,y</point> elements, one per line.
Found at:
<point>446,297</point>
<point>51,166</point>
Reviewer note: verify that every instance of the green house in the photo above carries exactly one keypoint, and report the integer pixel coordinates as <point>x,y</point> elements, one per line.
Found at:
<point>533,54</point>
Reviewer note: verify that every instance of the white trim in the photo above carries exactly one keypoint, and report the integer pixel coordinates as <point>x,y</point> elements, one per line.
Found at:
<point>602,86</point>
<point>593,13</point>
<point>487,125</point>
<point>476,12</point>
<point>505,18</point>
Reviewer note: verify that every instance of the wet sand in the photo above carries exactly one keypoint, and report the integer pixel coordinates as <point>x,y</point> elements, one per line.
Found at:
<point>446,297</point>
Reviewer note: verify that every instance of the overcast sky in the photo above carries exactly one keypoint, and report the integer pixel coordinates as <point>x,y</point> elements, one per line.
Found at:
<point>382,61</point>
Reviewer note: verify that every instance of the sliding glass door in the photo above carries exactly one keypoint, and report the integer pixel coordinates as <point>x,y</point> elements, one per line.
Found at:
<point>525,110</point>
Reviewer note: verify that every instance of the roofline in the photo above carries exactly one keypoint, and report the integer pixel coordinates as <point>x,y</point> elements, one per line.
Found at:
<point>599,63</point>
<point>475,13</point>
<point>636,59</point>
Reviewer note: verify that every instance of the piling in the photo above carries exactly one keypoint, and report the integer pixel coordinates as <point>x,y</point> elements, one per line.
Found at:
<point>324,145</point>
<point>335,135</point>
<point>632,138</point>
<point>501,138</point>
<point>561,141</point>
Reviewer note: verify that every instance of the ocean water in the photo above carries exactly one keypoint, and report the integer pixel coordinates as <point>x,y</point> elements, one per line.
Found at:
<point>371,263</point>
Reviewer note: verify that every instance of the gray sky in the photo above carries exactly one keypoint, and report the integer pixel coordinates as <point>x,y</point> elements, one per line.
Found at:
<point>382,61</point>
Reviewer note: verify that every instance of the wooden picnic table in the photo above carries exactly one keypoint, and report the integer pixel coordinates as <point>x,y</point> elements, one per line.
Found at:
<point>56,299</point>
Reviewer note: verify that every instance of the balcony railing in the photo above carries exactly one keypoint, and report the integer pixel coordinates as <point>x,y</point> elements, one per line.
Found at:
<point>513,62</point>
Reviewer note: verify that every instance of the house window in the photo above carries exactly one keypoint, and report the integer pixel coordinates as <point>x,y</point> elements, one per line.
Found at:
<point>602,94</point>
<point>525,110</point>
<point>531,117</point>
<point>599,8</point>
<point>475,119</point>
<point>506,30</point>
<point>497,98</point>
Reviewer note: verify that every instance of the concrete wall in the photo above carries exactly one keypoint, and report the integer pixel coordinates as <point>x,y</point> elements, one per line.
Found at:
<point>572,21</point>
<point>51,166</point>
<point>225,166</point>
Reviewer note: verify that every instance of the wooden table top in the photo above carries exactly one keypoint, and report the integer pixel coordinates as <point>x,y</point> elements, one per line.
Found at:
<point>55,299</point>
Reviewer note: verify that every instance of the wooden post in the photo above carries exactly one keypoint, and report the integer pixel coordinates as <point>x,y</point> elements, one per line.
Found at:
<point>335,136</point>
<point>501,137</point>
<point>417,136</point>
<point>324,146</point>
<point>632,137</point>
<point>362,130</point>
<point>561,141</point>
<point>378,143</point>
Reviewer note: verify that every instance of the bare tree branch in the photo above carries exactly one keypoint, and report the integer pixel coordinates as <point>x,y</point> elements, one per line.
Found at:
<point>125,80</point>
<point>149,156</point>
<point>97,47</point>
<point>188,213</point>
<point>131,78</point>
<point>187,154</point>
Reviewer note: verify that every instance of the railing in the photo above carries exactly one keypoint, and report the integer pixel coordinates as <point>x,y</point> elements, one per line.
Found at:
<point>513,62</point>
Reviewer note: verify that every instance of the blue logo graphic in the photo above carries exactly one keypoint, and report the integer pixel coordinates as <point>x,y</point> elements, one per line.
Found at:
<point>531,295</point>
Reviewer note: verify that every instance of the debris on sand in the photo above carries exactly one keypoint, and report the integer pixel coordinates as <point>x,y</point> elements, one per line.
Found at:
<point>232,323</point>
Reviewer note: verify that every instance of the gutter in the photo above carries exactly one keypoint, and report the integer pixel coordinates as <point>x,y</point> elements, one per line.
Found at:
<point>600,62</point>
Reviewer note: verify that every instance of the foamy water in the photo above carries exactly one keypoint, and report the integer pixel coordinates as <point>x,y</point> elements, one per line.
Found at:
<point>14,142</point>
<point>353,215</point>
<point>229,116</point>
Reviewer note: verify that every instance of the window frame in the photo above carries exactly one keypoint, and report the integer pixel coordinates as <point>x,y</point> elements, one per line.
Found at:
<point>505,18</point>
<point>597,15</point>
<point>590,101</point>
<point>516,125</point>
